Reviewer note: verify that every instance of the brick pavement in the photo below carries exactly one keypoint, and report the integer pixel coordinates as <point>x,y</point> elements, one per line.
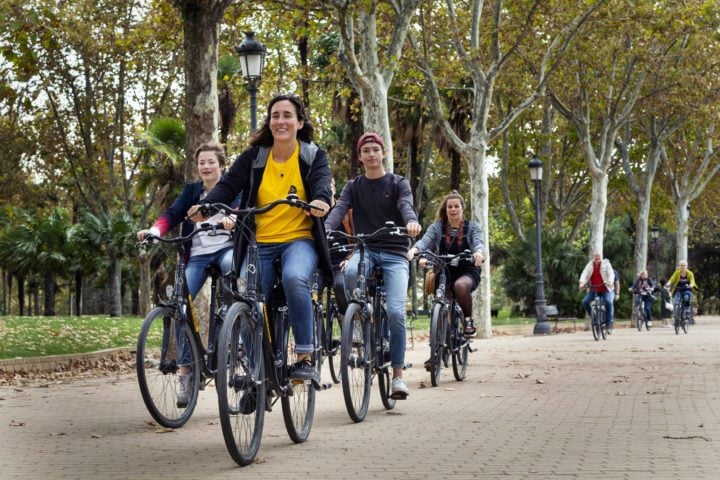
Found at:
<point>639,405</point>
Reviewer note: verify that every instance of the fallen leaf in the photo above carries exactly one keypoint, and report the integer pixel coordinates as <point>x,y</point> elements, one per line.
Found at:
<point>14,423</point>
<point>541,382</point>
<point>95,435</point>
<point>57,434</point>
<point>160,429</point>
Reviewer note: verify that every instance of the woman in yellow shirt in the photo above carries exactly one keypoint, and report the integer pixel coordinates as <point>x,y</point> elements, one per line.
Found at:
<point>282,155</point>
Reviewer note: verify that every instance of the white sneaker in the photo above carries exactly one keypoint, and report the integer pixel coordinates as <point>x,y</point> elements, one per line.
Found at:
<point>183,392</point>
<point>357,333</point>
<point>649,323</point>
<point>400,389</point>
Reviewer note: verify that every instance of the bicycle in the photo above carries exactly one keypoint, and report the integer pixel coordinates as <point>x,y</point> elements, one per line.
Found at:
<point>682,314</point>
<point>171,331</point>
<point>598,314</point>
<point>447,333</point>
<point>256,349</point>
<point>638,312</point>
<point>365,331</point>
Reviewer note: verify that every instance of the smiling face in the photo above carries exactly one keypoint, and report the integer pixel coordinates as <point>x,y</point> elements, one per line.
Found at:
<point>209,168</point>
<point>596,257</point>
<point>454,210</point>
<point>284,121</point>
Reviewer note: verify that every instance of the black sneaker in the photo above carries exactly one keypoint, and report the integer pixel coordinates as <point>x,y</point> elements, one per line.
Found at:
<point>302,370</point>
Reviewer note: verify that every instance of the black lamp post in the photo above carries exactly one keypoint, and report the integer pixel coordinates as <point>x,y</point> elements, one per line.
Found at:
<point>252,60</point>
<point>542,326</point>
<point>655,233</point>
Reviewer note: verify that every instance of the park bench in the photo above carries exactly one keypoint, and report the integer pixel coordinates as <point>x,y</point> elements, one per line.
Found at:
<point>552,313</point>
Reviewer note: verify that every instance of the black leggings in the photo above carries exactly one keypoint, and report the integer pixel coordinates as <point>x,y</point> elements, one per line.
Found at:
<point>462,290</point>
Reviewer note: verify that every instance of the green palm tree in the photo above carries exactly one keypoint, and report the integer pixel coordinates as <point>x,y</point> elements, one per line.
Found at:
<point>163,145</point>
<point>228,68</point>
<point>113,235</point>
<point>36,245</point>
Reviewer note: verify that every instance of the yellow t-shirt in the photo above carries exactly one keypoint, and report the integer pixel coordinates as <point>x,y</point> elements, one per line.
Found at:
<point>283,223</point>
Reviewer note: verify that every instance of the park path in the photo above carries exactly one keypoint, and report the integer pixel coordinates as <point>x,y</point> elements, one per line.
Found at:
<point>639,405</point>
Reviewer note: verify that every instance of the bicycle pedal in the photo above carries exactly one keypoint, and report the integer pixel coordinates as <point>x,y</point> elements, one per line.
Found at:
<point>470,349</point>
<point>406,366</point>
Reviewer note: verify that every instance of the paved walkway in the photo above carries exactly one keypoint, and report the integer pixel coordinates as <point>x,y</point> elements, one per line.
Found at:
<point>639,405</point>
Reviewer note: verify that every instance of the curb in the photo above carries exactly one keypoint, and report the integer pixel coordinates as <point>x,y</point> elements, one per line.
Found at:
<point>59,363</point>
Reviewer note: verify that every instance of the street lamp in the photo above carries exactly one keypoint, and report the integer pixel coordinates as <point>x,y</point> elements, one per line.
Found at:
<point>655,233</point>
<point>252,60</point>
<point>542,326</point>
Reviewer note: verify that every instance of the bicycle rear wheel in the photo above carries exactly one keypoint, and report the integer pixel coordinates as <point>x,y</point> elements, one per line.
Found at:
<point>298,404</point>
<point>438,320</point>
<point>460,347</point>
<point>158,358</point>
<point>241,382</point>
<point>333,331</point>
<point>385,369</point>
<point>355,362</point>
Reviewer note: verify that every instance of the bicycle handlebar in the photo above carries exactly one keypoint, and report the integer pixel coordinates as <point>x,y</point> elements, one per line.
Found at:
<point>292,199</point>
<point>446,258</point>
<point>389,228</point>
<point>216,228</point>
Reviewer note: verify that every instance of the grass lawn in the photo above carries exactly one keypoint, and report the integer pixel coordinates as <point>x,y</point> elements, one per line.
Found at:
<point>42,336</point>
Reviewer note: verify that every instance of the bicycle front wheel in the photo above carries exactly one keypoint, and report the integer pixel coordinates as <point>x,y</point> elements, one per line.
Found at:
<point>677,318</point>
<point>639,317</point>
<point>298,404</point>
<point>355,362</point>
<point>596,325</point>
<point>333,331</point>
<point>686,322</point>
<point>384,367</point>
<point>438,320</point>
<point>163,345</point>
<point>460,347</point>
<point>241,382</point>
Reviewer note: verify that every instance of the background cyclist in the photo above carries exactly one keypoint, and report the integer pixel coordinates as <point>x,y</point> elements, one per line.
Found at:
<point>599,274</point>
<point>644,287</point>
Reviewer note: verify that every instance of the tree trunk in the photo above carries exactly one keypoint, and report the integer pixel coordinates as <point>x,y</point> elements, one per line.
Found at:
<point>78,294</point>
<point>21,294</point>
<point>115,288</point>
<point>682,217</point>
<point>49,289</point>
<point>145,300</point>
<point>375,116</point>
<point>200,45</point>
<point>598,205</point>
<point>479,192</point>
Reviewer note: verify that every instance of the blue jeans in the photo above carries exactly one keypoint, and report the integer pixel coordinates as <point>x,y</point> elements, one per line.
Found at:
<point>396,271</point>
<point>608,296</point>
<point>646,301</point>
<point>684,296</point>
<point>299,260</point>
<point>196,275</point>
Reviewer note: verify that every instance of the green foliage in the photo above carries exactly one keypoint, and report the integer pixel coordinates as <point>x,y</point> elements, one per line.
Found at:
<point>562,265</point>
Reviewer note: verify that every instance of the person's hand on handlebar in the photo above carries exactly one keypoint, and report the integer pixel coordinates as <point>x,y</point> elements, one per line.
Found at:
<point>413,228</point>
<point>478,258</point>
<point>141,234</point>
<point>320,211</point>
<point>411,253</point>
<point>195,215</point>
